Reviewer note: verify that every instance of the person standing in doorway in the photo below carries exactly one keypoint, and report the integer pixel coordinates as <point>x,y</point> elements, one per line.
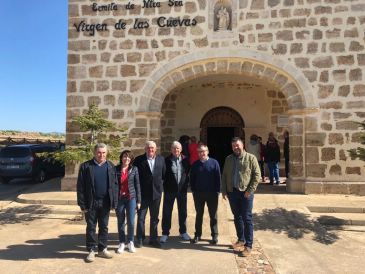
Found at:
<point>272,158</point>
<point>151,170</point>
<point>205,181</point>
<point>193,150</point>
<point>253,146</point>
<point>175,188</point>
<point>262,158</point>
<point>184,141</point>
<point>97,194</point>
<point>241,175</point>
<point>129,199</point>
<point>286,153</point>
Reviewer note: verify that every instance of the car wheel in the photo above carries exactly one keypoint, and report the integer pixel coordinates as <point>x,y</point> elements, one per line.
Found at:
<point>41,176</point>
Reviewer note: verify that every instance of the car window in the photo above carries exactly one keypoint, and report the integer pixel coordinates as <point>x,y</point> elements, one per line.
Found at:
<point>42,149</point>
<point>13,152</point>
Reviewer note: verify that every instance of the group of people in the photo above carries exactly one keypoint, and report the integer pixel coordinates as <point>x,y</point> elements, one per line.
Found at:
<point>137,185</point>
<point>270,154</point>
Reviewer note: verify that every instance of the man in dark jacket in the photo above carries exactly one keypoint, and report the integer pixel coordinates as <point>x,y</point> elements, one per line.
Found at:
<point>272,157</point>
<point>175,188</point>
<point>97,194</point>
<point>205,182</point>
<point>151,169</point>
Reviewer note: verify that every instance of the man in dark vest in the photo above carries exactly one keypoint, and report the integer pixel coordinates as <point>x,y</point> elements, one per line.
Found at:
<point>151,169</point>
<point>97,194</point>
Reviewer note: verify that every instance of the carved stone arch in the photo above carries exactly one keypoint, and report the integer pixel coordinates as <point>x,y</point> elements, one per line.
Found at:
<point>222,117</point>
<point>282,74</point>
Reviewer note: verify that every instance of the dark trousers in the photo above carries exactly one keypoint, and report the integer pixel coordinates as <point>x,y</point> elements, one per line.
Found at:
<point>262,168</point>
<point>242,211</point>
<point>287,167</point>
<point>98,214</point>
<point>154,207</point>
<point>126,206</point>
<point>168,205</point>
<point>211,199</point>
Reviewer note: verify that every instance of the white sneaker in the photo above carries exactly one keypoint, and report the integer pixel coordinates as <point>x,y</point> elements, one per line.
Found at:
<point>105,254</point>
<point>185,236</point>
<point>121,248</point>
<point>163,238</point>
<point>90,257</point>
<point>131,247</point>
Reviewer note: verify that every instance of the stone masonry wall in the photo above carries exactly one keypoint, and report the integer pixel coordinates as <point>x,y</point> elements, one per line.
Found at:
<point>324,39</point>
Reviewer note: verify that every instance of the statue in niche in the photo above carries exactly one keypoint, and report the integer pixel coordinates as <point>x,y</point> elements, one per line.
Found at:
<point>223,19</point>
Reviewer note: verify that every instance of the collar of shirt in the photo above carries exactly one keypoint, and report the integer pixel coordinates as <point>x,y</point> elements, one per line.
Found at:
<point>176,158</point>
<point>203,161</point>
<point>99,164</point>
<point>240,156</point>
<point>153,158</point>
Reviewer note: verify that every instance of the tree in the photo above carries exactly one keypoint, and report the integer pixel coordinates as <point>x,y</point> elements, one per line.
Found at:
<point>91,122</point>
<point>360,151</point>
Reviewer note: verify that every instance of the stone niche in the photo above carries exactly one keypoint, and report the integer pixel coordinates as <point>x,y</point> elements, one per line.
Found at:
<point>222,16</point>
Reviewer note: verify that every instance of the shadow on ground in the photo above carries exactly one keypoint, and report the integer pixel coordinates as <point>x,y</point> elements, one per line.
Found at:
<point>72,246</point>
<point>295,224</point>
<point>175,242</point>
<point>65,246</point>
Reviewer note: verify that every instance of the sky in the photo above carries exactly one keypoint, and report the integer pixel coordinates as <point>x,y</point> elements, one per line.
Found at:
<point>33,65</point>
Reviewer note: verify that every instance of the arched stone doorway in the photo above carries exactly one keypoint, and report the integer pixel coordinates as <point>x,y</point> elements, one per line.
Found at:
<point>285,81</point>
<point>217,128</point>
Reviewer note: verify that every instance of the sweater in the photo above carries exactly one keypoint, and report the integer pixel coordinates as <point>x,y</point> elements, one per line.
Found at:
<point>101,180</point>
<point>205,176</point>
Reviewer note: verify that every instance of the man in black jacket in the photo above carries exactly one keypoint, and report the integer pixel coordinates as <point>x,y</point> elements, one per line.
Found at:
<point>151,170</point>
<point>97,194</point>
<point>175,187</point>
<point>272,157</point>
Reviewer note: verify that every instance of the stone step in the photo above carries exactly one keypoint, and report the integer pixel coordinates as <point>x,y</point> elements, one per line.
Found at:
<point>44,209</point>
<point>48,198</point>
<point>335,209</point>
<point>340,219</point>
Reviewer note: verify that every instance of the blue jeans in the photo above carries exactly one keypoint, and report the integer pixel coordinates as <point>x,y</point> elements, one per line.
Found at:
<point>168,205</point>
<point>129,207</point>
<point>242,211</point>
<point>274,171</point>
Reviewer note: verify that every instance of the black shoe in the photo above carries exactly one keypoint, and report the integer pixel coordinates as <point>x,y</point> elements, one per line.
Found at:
<point>155,244</point>
<point>213,241</point>
<point>195,240</point>
<point>139,243</point>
